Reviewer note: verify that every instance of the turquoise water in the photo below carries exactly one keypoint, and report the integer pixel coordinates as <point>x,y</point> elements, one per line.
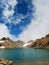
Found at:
<point>24,54</point>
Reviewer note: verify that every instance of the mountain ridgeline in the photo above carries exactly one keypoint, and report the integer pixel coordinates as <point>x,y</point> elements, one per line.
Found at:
<point>8,43</point>
<point>38,43</point>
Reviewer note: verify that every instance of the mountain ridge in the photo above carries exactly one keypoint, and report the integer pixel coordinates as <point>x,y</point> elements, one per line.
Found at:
<point>41,43</point>
<point>38,43</point>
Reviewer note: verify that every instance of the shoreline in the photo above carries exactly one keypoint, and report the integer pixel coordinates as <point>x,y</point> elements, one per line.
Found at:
<point>32,63</point>
<point>5,61</point>
<point>26,48</point>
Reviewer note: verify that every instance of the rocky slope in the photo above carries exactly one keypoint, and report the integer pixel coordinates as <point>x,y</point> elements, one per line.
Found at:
<point>41,43</point>
<point>8,43</point>
<point>19,44</point>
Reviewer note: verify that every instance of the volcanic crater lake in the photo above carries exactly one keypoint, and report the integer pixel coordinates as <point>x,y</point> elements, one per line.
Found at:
<point>25,54</point>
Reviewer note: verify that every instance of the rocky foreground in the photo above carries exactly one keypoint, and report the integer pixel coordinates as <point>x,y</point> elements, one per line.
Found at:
<point>38,43</point>
<point>5,62</point>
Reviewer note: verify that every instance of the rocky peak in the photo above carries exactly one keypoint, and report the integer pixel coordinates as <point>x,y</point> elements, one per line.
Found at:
<point>42,43</point>
<point>4,38</point>
<point>47,36</point>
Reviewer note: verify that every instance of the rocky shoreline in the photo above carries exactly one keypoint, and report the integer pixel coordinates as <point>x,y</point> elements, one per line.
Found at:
<point>5,62</point>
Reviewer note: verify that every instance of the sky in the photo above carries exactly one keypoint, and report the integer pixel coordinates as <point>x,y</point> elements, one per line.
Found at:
<point>24,19</point>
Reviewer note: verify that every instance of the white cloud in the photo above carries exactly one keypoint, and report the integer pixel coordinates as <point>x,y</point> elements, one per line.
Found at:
<point>40,25</point>
<point>4,32</point>
<point>8,3</point>
<point>7,12</point>
<point>12,3</point>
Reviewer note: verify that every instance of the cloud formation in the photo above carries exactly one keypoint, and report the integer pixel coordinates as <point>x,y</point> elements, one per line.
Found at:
<point>40,25</point>
<point>10,12</point>
<point>8,9</point>
<point>4,32</point>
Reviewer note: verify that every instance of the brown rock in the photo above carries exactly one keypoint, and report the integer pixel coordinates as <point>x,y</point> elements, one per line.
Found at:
<point>42,43</point>
<point>5,62</point>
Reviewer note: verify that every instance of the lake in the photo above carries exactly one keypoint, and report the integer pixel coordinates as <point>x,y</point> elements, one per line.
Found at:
<point>25,54</point>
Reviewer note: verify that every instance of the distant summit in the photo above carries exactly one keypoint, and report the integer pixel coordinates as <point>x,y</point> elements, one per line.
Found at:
<point>47,36</point>
<point>4,38</point>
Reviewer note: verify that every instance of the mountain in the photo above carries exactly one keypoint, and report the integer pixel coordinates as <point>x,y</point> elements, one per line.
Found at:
<point>8,43</point>
<point>40,43</point>
<point>19,44</point>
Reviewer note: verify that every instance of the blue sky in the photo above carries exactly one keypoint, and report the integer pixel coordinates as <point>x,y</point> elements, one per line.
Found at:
<point>22,11</point>
<point>24,19</point>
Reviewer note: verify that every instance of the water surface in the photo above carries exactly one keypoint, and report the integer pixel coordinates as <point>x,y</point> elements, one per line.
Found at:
<point>25,54</point>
